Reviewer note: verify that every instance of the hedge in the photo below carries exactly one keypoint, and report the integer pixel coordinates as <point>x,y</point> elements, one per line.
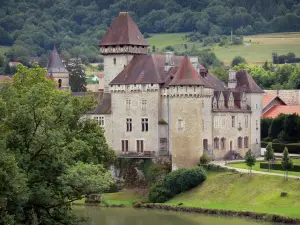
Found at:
<point>275,166</point>
<point>294,148</point>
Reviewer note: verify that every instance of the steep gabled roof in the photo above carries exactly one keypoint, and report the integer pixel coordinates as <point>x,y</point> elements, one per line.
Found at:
<point>215,82</point>
<point>187,75</point>
<point>55,64</point>
<point>267,99</point>
<point>123,31</point>
<point>245,83</point>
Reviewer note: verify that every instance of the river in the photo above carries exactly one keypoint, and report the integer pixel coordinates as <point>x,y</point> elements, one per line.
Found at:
<point>130,216</point>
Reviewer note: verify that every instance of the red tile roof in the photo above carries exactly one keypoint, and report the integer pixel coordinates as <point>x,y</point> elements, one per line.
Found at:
<point>282,109</point>
<point>123,31</point>
<point>3,77</point>
<point>267,99</point>
<point>187,75</point>
<point>15,63</point>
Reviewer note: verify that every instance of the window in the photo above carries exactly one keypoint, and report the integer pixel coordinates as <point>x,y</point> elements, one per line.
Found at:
<point>99,120</point>
<point>128,104</point>
<point>180,125</point>
<point>216,143</point>
<point>59,83</point>
<point>144,124</point>
<point>240,144</point>
<point>163,144</point>
<point>256,125</point>
<point>115,61</point>
<point>223,143</point>
<point>140,146</point>
<point>144,103</point>
<point>124,145</point>
<point>128,124</point>
<point>205,144</point>
<point>233,121</point>
<point>246,142</point>
<point>256,141</point>
<point>246,121</point>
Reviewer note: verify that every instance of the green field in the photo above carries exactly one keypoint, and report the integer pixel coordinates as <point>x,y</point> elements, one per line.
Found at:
<point>234,191</point>
<point>242,165</point>
<point>255,52</point>
<point>3,49</point>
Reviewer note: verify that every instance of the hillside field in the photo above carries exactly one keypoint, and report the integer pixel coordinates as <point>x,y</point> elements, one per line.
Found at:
<point>256,51</point>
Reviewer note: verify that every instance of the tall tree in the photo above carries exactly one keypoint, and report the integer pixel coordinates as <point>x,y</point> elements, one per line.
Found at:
<point>286,163</point>
<point>77,75</point>
<point>238,60</point>
<point>54,149</point>
<point>250,160</point>
<point>269,155</point>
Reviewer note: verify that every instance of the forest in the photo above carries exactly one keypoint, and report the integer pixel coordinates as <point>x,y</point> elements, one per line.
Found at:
<point>32,27</point>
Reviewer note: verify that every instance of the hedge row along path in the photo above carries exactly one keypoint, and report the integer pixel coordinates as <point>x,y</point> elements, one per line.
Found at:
<point>222,163</point>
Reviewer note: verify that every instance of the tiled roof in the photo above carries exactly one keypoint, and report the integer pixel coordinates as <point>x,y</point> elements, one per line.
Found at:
<point>216,82</point>
<point>15,63</point>
<point>4,77</point>
<point>246,83</point>
<point>187,75</point>
<point>282,109</point>
<point>267,99</point>
<point>123,31</point>
<point>55,64</point>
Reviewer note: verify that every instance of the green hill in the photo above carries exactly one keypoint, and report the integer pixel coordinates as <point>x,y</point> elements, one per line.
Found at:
<point>232,191</point>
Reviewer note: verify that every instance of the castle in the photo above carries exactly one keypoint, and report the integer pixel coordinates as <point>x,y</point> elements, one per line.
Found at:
<point>157,106</point>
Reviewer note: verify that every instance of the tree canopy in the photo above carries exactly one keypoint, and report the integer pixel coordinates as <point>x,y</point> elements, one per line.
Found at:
<point>50,155</point>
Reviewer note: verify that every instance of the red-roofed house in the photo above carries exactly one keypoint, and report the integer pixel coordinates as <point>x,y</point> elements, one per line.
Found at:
<point>11,64</point>
<point>4,78</point>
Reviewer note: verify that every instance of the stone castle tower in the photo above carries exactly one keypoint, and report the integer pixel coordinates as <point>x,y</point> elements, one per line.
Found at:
<point>187,91</point>
<point>57,70</point>
<point>122,41</point>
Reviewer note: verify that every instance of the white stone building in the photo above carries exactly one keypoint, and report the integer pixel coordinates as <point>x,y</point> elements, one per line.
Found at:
<point>170,106</point>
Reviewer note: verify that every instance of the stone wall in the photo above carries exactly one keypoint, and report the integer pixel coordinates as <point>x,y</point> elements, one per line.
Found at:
<point>290,97</point>
<point>64,79</point>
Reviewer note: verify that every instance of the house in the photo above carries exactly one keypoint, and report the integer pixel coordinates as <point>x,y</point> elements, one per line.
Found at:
<point>11,64</point>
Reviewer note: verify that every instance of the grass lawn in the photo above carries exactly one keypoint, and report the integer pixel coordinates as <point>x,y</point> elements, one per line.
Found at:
<point>242,165</point>
<point>4,49</point>
<point>233,191</point>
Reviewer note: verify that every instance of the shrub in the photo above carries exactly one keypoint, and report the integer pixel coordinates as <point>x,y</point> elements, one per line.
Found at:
<point>267,139</point>
<point>276,141</point>
<point>159,194</point>
<point>156,173</point>
<point>204,159</point>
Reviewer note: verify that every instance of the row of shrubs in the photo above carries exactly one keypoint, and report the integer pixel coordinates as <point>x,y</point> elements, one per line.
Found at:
<point>252,215</point>
<point>294,148</point>
<point>176,182</point>
<point>275,166</point>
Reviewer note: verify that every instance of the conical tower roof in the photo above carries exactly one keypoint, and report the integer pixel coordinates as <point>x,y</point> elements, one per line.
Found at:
<point>187,75</point>
<point>123,31</point>
<point>55,64</point>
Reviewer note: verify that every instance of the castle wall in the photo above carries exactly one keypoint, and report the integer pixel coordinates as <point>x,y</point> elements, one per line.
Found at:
<point>207,122</point>
<point>64,78</point>
<point>290,97</point>
<point>113,65</point>
<point>127,102</point>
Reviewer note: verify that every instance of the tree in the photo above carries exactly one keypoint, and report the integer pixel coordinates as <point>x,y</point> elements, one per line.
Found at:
<point>204,159</point>
<point>238,60</point>
<point>77,75</point>
<point>286,162</point>
<point>269,155</point>
<point>250,160</point>
<point>48,145</point>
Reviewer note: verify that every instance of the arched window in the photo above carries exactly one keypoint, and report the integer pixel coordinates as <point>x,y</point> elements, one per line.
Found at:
<point>223,142</point>
<point>246,142</point>
<point>216,143</point>
<point>205,144</point>
<point>240,142</point>
<point>59,83</point>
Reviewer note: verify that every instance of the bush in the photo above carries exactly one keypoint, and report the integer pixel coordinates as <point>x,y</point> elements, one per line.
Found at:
<point>204,159</point>
<point>176,182</point>
<point>267,139</point>
<point>156,173</point>
<point>276,141</point>
<point>159,194</point>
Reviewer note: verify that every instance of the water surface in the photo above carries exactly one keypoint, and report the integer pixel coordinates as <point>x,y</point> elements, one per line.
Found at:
<point>129,216</point>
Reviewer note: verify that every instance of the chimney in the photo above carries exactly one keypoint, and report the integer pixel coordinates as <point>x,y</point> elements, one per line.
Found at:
<point>232,79</point>
<point>168,63</point>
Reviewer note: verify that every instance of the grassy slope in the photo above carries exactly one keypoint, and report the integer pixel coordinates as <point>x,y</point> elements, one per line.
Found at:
<point>256,167</point>
<point>260,193</point>
<point>258,51</point>
<point>126,197</point>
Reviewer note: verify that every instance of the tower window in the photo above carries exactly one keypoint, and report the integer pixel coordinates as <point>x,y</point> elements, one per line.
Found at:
<point>140,145</point>
<point>205,144</point>
<point>124,145</point>
<point>144,124</point>
<point>59,83</point>
<point>128,124</point>
<point>115,61</point>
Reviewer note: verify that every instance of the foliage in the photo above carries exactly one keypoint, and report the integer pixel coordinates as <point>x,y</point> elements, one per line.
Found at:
<point>286,162</point>
<point>156,173</point>
<point>288,58</point>
<point>238,60</point>
<point>250,160</point>
<point>51,151</point>
<point>176,182</point>
<point>77,75</point>
<point>204,159</point>
<point>265,124</point>
<point>269,154</point>
<point>293,147</point>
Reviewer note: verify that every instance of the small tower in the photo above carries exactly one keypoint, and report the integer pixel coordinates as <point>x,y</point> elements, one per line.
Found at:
<point>57,71</point>
<point>122,41</point>
<point>186,91</point>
